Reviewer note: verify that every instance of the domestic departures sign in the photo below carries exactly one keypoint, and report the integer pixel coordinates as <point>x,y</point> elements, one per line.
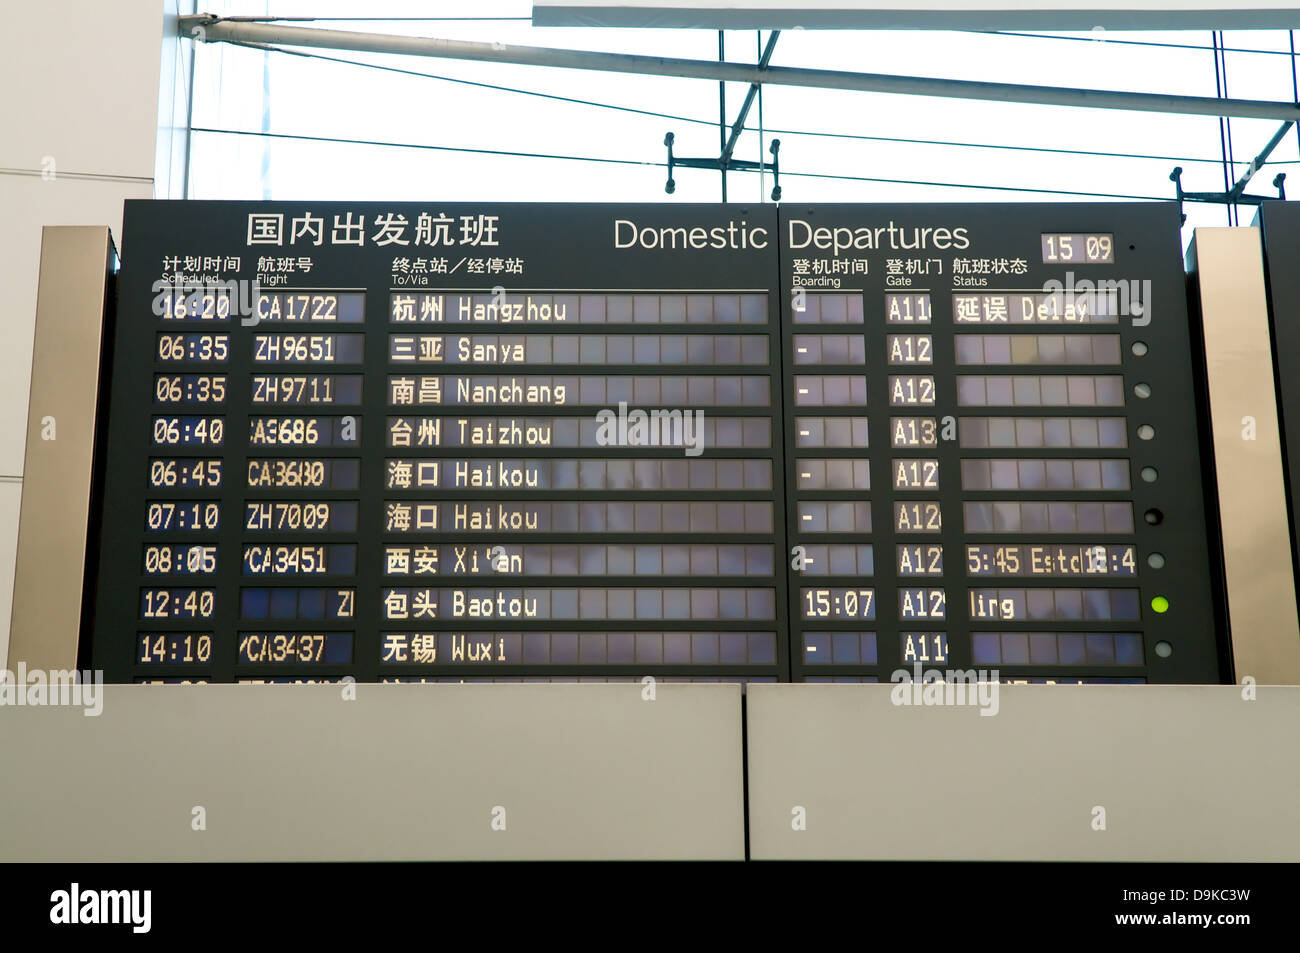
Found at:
<point>416,441</point>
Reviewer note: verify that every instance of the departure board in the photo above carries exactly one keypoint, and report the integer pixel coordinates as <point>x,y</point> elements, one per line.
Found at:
<point>451,441</point>
<point>408,441</point>
<point>992,445</point>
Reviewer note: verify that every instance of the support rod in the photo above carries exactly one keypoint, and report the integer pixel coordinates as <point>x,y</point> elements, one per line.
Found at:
<point>722,111</point>
<point>214,29</point>
<point>739,125</point>
<point>1257,163</point>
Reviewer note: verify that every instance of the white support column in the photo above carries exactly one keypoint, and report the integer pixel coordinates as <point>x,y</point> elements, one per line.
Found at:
<point>80,119</point>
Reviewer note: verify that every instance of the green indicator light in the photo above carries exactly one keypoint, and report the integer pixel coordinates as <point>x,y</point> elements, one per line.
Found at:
<point>1160,604</point>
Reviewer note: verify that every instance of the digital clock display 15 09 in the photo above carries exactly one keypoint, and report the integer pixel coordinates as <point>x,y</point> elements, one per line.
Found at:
<point>1081,248</point>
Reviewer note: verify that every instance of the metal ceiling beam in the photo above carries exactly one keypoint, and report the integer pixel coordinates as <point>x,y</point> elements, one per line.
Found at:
<point>215,29</point>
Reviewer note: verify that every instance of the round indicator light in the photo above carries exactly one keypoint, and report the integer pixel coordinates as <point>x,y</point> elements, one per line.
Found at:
<point>1160,604</point>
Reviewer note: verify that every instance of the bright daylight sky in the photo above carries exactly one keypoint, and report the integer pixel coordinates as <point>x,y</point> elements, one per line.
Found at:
<point>314,98</point>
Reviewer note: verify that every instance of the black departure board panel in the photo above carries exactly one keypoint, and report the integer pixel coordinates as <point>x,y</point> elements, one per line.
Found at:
<point>406,441</point>
<point>410,441</point>
<point>1279,224</point>
<point>992,444</point>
